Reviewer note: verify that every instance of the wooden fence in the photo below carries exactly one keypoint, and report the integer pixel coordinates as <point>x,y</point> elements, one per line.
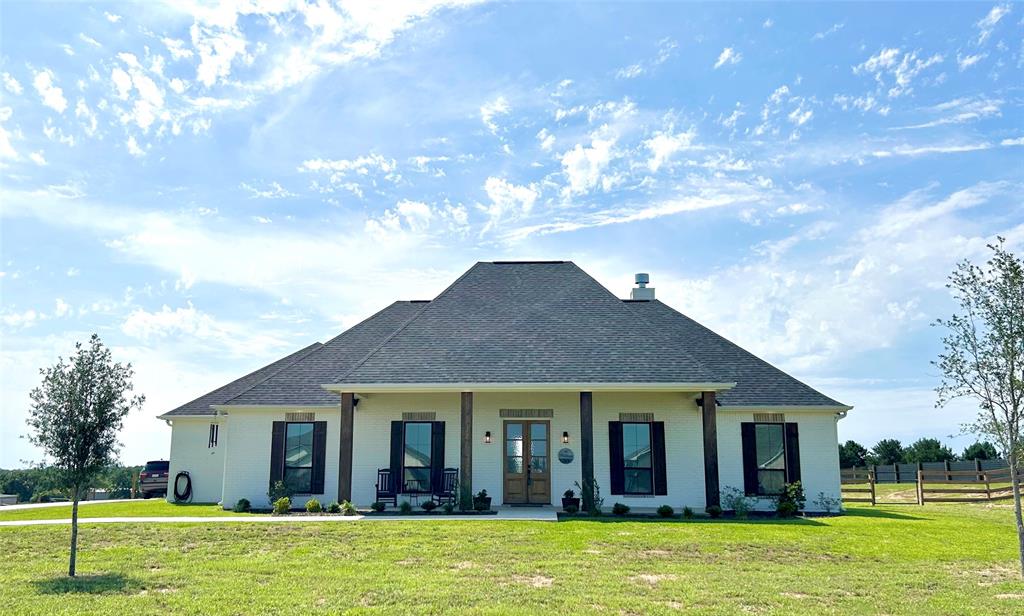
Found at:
<point>859,484</point>
<point>972,486</point>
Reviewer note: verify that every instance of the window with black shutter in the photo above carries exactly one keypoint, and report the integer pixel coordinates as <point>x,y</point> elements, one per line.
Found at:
<point>637,458</point>
<point>417,455</point>
<point>298,454</point>
<point>771,457</point>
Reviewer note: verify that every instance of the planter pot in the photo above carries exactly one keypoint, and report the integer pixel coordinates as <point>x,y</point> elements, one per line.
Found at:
<point>482,504</point>
<point>571,502</point>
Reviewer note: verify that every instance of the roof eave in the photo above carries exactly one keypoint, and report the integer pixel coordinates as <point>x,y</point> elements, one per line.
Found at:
<point>786,407</point>
<point>386,388</point>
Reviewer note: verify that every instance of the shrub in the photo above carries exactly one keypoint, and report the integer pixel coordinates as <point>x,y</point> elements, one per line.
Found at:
<point>378,506</point>
<point>405,508</point>
<point>277,491</point>
<point>243,506</point>
<point>827,503</point>
<point>736,501</point>
<point>448,508</point>
<point>571,509</point>
<point>313,506</point>
<point>687,513</point>
<point>334,507</point>
<point>791,500</point>
<point>714,511</point>
<point>596,501</point>
<point>347,508</point>
<point>569,494</point>
<point>666,511</point>
<point>429,506</point>
<point>620,509</point>
<point>282,505</point>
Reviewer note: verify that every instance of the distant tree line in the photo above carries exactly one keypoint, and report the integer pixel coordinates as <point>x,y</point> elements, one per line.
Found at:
<point>891,451</point>
<point>39,485</point>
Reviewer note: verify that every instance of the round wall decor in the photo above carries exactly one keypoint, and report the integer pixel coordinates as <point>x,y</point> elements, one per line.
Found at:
<point>565,455</point>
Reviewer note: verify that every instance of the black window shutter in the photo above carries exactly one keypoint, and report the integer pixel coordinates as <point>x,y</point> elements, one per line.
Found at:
<point>749,441</point>
<point>319,455</point>
<point>436,453</point>
<point>792,453</point>
<point>618,478</point>
<point>658,451</point>
<point>277,436</point>
<point>398,483</point>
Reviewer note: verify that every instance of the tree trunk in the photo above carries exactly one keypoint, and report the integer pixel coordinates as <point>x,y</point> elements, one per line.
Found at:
<point>74,530</point>
<point>1015,480</point>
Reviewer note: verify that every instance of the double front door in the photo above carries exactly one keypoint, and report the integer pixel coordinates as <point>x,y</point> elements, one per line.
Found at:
<point>527,462</point>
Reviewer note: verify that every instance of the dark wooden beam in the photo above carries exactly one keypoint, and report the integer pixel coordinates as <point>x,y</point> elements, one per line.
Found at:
<point>345,447</point>
<point>466,452</point>
<point>709,417</point>
<point>587,447</point>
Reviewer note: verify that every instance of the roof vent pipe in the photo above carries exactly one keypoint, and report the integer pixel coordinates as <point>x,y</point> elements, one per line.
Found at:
<point>642,292</point>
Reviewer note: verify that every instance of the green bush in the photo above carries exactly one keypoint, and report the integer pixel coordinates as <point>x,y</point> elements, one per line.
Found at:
<point>785,509</point>
<point>666,511</point>
<point>347,508</point>
<point>243,506</point>
<point>620,509</point>
<point>791,500</point>
<point>313,506</point>
<point>334,507</point>
<point>736,501</point>
<point>714,511</point>
<point>429,506</point>
<point>448,508</point>
<point>282,505</point>
<point>687,513</point>
<point>570,509</point>
<point>277,491</point>
<point>377,506</point>
<point>405,508</point>
<point>827,503</point>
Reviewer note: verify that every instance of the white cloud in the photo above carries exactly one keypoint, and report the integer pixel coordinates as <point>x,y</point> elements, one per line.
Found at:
<point>822,35</point>
<point>133,147</point>
<point>728,56</point>
<point>51,94</point>
<point>547,140</point>
<point>89,119</point>
<point>272,191</point>
<point>177,48</point>
<point>112,18</point>
<point>966,62</point>
<point>664,144</point>
<point>960,111</point>
<point>583,166</point>
<point>768,23</point>
<point>6,148</point>
<point>897,68</point>
<point>492,109</point>
<point>38,158</point>
<point>1012,142</point>
<point>61,308</point>
<point>11,84</point>
<point>508,201</point>
<point>122,82</point>
<point>730,120</point>
<point>88,40</point>
<point>988,23</point>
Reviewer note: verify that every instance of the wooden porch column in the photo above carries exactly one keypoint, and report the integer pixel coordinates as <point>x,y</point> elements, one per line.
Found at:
<point>345,447</point>
<point>708,415</point>
<point>466,452</point>
<point>587,447</point>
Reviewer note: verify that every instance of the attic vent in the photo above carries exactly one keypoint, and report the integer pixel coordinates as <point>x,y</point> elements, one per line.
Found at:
<point>769,418</point>
<point>419,416</point>
<point>642,292</point>
<point>300,416</point>
<point>526,413</point>
<point>641,417</point>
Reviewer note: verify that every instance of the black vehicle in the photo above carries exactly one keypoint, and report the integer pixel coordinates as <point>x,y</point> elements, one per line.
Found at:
<point>153,478</point>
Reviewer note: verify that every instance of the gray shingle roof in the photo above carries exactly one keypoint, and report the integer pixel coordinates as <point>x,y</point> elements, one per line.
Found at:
<point>300,382</point>
<point>757,381</point>
<point>518,322</point>
<point>201,405</point>
<point>528,322</point>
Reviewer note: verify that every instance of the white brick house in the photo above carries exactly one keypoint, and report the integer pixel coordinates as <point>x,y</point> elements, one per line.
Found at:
<point>523,379</point>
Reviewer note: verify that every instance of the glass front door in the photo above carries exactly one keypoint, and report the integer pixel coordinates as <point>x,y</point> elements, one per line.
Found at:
<point>527,467</point>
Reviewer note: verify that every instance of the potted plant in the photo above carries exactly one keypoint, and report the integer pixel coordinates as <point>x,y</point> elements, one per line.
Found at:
<point>482,502</point>
<point>569,500</point>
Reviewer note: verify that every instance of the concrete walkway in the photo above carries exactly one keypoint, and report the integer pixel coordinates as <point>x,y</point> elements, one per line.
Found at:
<point>64,504</point>
<point>504,513</point>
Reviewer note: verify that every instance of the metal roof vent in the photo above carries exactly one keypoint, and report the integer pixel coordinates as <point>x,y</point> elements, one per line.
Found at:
<point>642,292</point>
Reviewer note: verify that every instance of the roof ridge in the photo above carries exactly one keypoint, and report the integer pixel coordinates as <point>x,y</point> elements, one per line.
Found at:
<point>386,339</point>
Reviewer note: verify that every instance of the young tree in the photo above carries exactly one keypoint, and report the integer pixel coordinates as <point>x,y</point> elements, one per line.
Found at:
<point>928,450</point>
<point>982,450</point>
<point>851,454</point>
<point>983,356</point>
<point>75,416</point>
<point>887,451</point>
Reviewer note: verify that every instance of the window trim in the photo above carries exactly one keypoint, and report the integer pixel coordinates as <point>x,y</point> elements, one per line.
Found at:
<point>285,466</point>
<point>429,467</point>
<point>214,435</point>
<point>650,469</point>
<point>785,459</point>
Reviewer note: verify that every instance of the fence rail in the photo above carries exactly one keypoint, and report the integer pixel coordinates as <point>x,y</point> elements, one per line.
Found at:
<point>944,484</point>
<point>858,483</point>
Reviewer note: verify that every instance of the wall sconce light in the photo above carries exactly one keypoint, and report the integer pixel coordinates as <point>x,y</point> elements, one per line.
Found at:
<point>487,437</point>
<point>565,437</point>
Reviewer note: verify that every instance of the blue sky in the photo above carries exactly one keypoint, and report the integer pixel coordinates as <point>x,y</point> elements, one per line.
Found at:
<point>212,187</point>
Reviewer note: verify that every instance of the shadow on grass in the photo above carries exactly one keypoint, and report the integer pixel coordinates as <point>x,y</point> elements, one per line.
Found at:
<point>700,520</point>
<point>863,512</point>
<point>98,584</point>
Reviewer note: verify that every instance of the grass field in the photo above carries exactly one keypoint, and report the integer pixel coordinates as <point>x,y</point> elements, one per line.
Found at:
<point>897,560</point>
<point>140,508</point>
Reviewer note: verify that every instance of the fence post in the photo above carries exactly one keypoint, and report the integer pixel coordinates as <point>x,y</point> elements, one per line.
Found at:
<point>977,467</point>
<point>988,489</point>
<point>920,486</point>
<point>896,471</point>
<point>949,477</point>
<point>871,482</point>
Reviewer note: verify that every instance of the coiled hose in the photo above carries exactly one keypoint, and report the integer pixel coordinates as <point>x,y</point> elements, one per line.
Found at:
<point>183,496</point>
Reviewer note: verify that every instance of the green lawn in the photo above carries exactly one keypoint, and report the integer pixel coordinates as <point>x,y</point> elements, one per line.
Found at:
<point>896,560</point>
<point>141,508</point>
